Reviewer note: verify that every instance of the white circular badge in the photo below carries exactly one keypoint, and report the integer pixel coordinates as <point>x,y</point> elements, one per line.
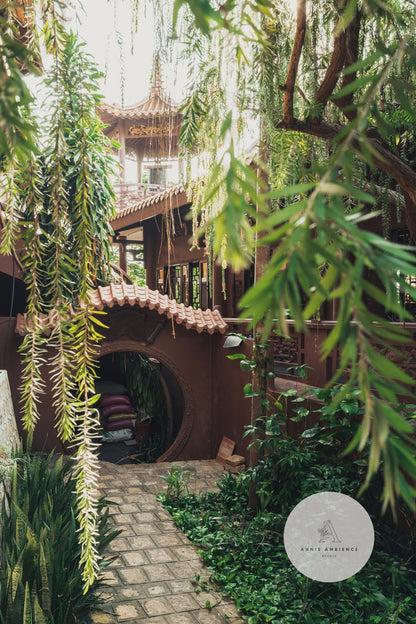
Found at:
<point>329,537</point>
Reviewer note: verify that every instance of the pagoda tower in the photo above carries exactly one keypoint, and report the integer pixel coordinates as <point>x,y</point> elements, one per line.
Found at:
<point>149,131</point>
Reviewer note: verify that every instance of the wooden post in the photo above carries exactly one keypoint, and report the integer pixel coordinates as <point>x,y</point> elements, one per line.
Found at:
<point>217,296</point>
<point>122,253</point>
<point>122,151</point>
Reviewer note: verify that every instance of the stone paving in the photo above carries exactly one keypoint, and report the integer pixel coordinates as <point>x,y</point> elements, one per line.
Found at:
<point>150,576</point>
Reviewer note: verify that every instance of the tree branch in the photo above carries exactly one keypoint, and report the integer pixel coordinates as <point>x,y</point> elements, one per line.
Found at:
<point>352,40</point>
<point>394,198</point>
<point>344,54</point>
<point>331,76</point>
<point>292,71</point>
<point>381,157</point>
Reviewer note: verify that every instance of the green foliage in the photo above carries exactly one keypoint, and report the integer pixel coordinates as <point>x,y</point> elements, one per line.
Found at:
<point>291,469</point>
<point>192,111</point>
<point>70,178</point>
<point>66,202</point>
<point>40,574</point>
<point>336,129</point>
<point>143,383</point>
<point>137,273</point>
<point>16,125</point>
<point>244,549</point>
<point>56,198</point>
<point>177,483</point>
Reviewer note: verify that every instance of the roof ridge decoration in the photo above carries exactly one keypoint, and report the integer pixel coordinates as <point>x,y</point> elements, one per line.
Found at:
<point>156,88</point>
<point>156,104</point>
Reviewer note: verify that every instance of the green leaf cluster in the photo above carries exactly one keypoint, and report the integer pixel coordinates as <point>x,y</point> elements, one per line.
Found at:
<point>59,203</point>
<point>244,549</point>
<point>145,389</point>
<point>309,201</point>
<point>40,575</point>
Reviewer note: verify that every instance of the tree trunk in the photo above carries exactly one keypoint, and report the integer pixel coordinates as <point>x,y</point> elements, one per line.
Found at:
<point>260,352</point>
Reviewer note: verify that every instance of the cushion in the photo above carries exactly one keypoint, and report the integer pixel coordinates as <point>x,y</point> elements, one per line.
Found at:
<point>117,436</point>
<point>109,387</point>
<point>116,408</point>
<point>116,417</point>
<point>110,399</point>
<point>127,423</point>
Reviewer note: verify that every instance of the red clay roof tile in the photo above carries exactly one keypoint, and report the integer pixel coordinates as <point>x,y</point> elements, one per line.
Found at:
<point>151,200</point>
<point>129,294</point>
<point>124,294</point>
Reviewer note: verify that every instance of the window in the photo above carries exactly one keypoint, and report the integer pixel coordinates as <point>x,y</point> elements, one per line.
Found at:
<point>195,285</point>
<point>402,237</point>
<point>187,283</point>
<point>160,280</point>
<point>203,300</point>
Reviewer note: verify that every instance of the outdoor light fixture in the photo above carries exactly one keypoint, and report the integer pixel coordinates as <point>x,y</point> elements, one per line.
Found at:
<point>232,341</point>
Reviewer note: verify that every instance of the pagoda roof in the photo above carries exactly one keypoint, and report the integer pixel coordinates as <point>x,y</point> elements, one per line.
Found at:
<point>157,104</point>
<point>148,108</point>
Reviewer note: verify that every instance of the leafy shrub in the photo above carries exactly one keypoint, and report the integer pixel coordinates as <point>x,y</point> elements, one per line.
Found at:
<point>290,469</point>
<point>177,483</point>
<point>40,576</point>
<point>246,555</point>
<point>244,547</point>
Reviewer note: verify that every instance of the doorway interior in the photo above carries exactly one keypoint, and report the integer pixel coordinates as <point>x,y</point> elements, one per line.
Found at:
<point>141,407</point>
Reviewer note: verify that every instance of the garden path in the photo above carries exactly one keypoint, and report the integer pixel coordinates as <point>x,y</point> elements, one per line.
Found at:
<point>150,577</point>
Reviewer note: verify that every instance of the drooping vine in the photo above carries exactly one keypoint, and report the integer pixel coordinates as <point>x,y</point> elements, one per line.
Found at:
<point>57,199</point>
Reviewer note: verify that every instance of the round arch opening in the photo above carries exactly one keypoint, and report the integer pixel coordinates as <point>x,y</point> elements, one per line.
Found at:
<point>142,406</point>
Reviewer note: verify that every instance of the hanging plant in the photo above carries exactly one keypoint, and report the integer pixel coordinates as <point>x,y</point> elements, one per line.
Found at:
<point>65,202</point>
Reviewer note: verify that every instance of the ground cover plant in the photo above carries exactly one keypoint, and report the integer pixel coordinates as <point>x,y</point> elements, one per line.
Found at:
<point>40,574</point>
<point>244,547</point>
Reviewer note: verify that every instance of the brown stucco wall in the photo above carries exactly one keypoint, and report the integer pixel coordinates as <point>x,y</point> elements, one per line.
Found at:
<point>44,438</point>
<point>205,377</point>
<point>232,410</point>
<point>210,383</point>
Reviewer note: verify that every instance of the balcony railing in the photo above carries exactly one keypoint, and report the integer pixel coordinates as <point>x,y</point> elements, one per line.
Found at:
<point>128,195</point>
<point>298,349</point>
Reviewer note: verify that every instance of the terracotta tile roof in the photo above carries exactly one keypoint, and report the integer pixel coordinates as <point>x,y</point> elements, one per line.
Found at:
<point>124,294</point>
<point>129,294</point>
<point>45,321</point>
<point>153,106</point>
<point>151,200</point>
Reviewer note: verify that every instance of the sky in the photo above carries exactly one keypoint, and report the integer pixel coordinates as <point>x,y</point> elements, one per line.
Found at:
<point>100,26</point>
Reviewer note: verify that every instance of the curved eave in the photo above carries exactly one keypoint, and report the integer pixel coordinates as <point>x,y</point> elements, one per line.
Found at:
<point>151,206</point>
<point>121,295</point>
<point>149,108</point>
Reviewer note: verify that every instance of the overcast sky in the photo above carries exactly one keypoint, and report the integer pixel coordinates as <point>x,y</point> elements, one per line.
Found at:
<point>98,27</point>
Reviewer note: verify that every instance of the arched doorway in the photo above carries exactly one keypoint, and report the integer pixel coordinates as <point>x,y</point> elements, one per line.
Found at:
<point>158,397</point>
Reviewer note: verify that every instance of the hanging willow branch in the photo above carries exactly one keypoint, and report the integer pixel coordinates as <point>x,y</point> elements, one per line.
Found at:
<point>64,202</point>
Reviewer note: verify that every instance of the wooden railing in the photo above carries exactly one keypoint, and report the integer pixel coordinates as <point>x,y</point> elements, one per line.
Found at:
<point>303,350</point>
<point>128,195</point>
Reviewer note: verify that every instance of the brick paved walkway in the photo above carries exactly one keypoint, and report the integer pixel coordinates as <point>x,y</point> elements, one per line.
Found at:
<point>154,562</point>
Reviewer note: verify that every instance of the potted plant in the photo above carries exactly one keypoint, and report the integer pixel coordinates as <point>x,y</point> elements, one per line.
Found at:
<point>142,426</point>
